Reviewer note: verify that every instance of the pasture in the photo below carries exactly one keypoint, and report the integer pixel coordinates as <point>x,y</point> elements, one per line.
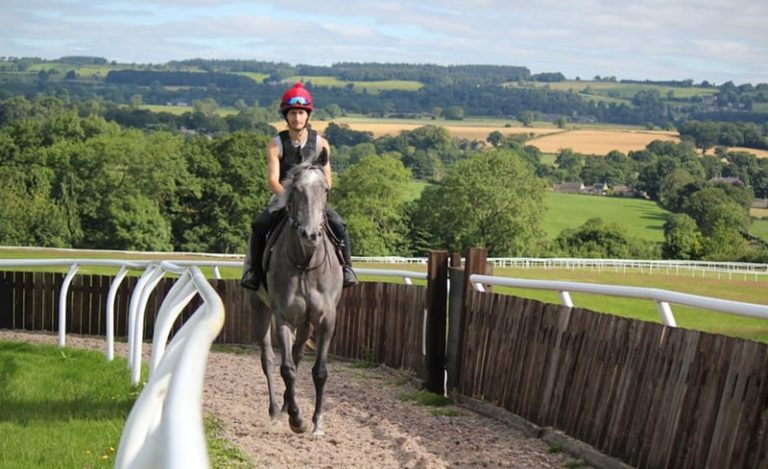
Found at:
<point>641,218</point>
<point>61,408</point>
<point>359,86</point>
<point>621,91</point>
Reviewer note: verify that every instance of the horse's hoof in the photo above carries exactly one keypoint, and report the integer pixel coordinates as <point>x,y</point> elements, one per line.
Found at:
<point>300,428</point>
<point>318,433</point>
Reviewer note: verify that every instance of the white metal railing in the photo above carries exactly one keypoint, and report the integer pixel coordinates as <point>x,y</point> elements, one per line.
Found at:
<point>165,426</point>
<point>672,267</point>
<point>669,266</point>
<point>74,265</point>
<point>406,275</point>
<point>663,298</point>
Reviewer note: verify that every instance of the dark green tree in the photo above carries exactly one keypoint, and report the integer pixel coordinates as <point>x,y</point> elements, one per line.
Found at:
<point>493,200</point>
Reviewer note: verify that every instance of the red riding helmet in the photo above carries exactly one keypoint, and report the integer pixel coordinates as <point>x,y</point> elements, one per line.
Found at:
<point>296,97</point>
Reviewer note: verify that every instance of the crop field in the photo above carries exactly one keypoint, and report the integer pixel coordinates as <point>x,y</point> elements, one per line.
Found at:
<point>470,132</point>
<point>368,86</point>
<point>600,142</point>
<point>548,139</point>
<point>622,90</point>
<point>257,77</point>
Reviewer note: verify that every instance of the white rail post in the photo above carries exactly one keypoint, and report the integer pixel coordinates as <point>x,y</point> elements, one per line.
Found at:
<point>138,336</point>
<point>133,308</point>
<point>565,298</point>
<point>63,304</point>
<point>111,311</point>
<point>666,313</point>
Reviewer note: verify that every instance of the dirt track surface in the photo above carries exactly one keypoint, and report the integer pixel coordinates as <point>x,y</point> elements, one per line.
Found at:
<point>367,422</point>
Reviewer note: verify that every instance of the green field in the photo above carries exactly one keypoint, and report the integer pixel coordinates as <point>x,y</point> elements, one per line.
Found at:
<point>642,218</point>
<point>621,90</point>
<point>745,288</point>
<point>178,110</point>
<point>368,86</point>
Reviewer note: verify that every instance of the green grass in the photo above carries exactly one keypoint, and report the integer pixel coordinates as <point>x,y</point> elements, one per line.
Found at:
<point>64,408</point>
<point>257,77</point>
<point>641,218</point>
<point>622,91</point>
<point>61,407</point>
<point>738,288</point>
<point>414,189</point>
<point>369,86</point>
<point>759,228</point>
<point>178,110</point>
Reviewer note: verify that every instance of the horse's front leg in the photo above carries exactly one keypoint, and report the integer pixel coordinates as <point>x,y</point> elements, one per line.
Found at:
<point>302,334</point>
<point>288,372</point>
<point>323,335</point>
<point>263,333</point>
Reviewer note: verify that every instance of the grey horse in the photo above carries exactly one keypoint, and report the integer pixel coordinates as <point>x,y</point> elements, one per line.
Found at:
<point>304,280</point>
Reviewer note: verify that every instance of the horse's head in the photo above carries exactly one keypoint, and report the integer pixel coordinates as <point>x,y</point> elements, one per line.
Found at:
<point>306,194</point>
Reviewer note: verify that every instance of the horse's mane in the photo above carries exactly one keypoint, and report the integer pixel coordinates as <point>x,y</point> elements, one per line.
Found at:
<point>287,182</point>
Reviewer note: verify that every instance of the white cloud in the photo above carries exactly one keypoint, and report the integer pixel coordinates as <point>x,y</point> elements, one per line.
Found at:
<point>648,39</point>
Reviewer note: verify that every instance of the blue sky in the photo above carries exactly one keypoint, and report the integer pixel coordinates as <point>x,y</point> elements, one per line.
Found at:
<point>713,40</point>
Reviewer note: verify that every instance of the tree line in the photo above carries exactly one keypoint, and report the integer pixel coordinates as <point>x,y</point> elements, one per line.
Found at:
<point>72,178</point>
<point>465,90</point>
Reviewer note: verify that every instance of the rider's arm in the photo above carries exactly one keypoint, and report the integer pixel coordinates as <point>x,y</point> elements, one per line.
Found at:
<point>327,167</point>
<point>273,168</point>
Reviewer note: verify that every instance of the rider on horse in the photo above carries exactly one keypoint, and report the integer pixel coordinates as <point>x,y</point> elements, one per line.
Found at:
<point>300,143</point>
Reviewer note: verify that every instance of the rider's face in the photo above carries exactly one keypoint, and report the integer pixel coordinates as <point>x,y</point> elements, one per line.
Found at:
<point>297,119</point>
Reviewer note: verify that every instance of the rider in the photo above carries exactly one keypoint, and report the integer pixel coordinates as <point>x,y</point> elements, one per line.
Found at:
<point>290,147</point>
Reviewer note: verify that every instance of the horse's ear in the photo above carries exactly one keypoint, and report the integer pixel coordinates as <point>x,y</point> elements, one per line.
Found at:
<point>322,160</point>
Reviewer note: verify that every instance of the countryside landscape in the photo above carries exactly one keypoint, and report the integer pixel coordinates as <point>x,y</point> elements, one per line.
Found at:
<point>167,161</point>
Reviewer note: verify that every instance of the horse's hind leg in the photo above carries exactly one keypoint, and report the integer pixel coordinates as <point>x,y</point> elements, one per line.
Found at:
<point>320,372</point>
<point>263,337</point>
<point>288,372</point>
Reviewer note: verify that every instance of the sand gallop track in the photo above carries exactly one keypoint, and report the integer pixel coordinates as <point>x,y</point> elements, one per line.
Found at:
<point>367,422</point>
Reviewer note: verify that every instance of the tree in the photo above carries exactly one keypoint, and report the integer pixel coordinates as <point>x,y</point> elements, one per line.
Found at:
<point>682,239</point>
<point>455,113</point>
<point>495,138</point>
<point>568,164</point>
<point>226,192</point>
<point>369,194</point>
<point>28,214</point>
<point>526,117</point>
<point>712,206</point>
<point>595,239</point>
<point>492,200</point>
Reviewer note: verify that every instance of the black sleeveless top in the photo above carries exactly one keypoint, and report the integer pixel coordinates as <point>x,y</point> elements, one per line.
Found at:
<point>293,155</point>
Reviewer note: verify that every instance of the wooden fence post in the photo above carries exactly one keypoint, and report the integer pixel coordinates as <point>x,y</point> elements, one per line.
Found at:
<point>475,263</point>
<point>456,279</point>
<point>437,302</point>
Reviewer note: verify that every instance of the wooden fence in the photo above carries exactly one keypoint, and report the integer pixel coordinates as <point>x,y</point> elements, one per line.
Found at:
<point>379,322</point>
<point>649,395</point>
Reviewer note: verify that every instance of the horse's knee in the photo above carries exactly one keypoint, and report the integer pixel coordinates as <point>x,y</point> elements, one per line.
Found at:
<point>287,372</point>
<point>319,372</point>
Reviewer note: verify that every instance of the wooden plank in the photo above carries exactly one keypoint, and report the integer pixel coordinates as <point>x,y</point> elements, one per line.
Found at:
<point>28,300</point>
<point>753,402</point>
<point>37,301</point>
<point>6,300</point>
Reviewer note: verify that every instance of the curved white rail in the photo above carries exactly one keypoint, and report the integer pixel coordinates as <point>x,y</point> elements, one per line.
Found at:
<point>165,426</point>
<point>662,297</point>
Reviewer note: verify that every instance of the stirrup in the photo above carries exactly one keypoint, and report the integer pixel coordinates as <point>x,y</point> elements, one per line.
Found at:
<point>350,278</point>
<point>250,280</point>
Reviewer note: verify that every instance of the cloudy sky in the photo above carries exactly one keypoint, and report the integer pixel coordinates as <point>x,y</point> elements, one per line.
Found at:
<point>713,40</point>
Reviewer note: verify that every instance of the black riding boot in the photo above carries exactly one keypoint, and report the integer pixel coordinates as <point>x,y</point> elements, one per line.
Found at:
<point>350,279</point>
<point>253,276</point>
